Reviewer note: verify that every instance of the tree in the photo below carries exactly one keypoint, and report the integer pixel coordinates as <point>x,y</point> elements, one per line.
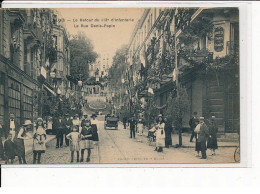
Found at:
<point>118,67</point>
<point>177,106</point>
<point>82,54</point>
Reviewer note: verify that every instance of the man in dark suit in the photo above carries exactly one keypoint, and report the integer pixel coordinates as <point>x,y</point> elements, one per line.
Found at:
<point>202,137</point>
<point>58,125</point>
<point>132,124</point>
<point>193,123</point>
<point>11,126</point>
<point>67,126</point>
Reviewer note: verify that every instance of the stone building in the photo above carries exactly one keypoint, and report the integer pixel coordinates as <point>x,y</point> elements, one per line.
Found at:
<point>28,55</point>
<point>101,66</point>
<point>199,47</point>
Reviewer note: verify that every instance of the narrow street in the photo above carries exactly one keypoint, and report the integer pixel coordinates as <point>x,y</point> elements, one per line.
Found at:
<point>116,146</point>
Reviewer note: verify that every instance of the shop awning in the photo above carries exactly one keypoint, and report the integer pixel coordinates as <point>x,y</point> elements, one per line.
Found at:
<point>50,90</point>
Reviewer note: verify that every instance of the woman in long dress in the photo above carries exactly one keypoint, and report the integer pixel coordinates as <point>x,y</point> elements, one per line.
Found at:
<point>160,134</point>
<point>212,140</point>
<point>168,133</point>
<point>94,125</point>
<point>39,139</point>
<point>19,141</point>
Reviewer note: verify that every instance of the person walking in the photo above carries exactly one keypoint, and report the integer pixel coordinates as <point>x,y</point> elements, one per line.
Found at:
<point>9,150</point>
<point>212,140</point>
<point>59,132</point>
<point>74,138</point>
<point>39,139</point>
<point>202,133</point>
<point>49,129</point>
<point>168,133</point>
<point>94,125</point>
<point>193,123</point>
<point>67,125</point>
<point>124,122</point>
<point>160,134</point>
<point>132,124</point>
<point>86,142</point>
<point>19,141</point>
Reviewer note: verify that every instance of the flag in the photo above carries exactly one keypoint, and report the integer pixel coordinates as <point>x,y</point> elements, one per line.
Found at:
<point>150,90</point>
<point>43,72</point>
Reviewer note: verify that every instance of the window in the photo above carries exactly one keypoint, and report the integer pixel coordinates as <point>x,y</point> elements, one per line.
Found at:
<point>14,98</point>
<point>203,43</point>
<point>55,42</point>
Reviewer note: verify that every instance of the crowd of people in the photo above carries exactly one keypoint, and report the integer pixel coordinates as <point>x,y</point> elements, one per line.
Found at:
<point>79,134</point>
<point>204,131</point>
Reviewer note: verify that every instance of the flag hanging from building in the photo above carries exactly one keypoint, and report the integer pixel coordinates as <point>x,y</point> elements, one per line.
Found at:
<point>43,72</point>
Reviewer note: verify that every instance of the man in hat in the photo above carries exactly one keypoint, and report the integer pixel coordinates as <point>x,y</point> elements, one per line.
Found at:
<point>203,134</point>
<point>193,123</point>
<point>58,125</point>
<point>132,123</point>
<point>67,126</point>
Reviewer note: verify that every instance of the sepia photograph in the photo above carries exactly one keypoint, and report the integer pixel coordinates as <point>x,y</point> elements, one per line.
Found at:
<point>157,85</point>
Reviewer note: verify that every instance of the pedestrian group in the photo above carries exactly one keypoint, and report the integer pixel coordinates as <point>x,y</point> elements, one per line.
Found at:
<point>79,135</point>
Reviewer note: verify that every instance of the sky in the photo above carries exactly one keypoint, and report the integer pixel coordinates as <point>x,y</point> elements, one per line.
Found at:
<point>105,40</point>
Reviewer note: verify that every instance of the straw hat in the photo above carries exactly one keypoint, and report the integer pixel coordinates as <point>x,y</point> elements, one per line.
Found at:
<point>39,119</point>
<point>160,115</point>
<point>27,122</point>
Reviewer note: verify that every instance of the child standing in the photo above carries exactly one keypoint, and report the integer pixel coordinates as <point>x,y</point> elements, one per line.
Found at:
<point>86,140</point>
<point>39,139</point>
<point>74,138</point>
<point>9,149</point>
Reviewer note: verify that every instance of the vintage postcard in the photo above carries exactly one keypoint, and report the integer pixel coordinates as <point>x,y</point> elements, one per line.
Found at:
<point>157,85</point>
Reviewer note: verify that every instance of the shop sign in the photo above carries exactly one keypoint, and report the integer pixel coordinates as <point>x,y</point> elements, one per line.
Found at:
<point>219,39</point>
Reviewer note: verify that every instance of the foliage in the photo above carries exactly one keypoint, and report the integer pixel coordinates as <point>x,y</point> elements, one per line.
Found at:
<point>82,54</point>
<point>228,64</point>
<point>177,106</point>
<point>118,67</point>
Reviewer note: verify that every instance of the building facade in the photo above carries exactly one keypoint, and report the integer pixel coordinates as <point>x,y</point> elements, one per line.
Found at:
<point>28,55</point>
<point>102,65</point>
<point>200,48</point>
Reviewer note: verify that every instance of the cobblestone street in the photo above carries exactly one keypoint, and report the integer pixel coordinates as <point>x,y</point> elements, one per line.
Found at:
<point>115,146</point>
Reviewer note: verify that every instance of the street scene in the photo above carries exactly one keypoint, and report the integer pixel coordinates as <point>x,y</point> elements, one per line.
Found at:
<point>119,86</point>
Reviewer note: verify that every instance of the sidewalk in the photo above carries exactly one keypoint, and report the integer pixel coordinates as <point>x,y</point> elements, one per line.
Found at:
<point>186,139</point>
<point>28,146</point>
